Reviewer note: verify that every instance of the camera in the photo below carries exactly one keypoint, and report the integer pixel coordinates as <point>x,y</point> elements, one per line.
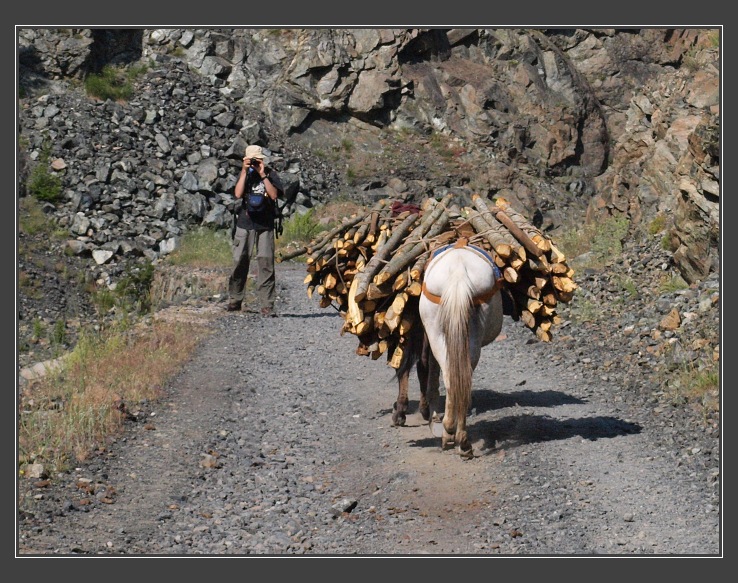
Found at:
<point>254,162</point>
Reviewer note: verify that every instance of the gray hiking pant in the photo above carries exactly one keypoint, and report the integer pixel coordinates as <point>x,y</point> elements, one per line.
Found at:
<point>245,242</point>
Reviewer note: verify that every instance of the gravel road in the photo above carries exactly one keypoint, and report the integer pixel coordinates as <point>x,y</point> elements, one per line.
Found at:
<point>276,439</point>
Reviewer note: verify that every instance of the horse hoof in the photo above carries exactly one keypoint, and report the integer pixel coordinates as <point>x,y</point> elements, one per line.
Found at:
<point>447,442</point>
<point>425,412</point>
<point>398,420</point>
<point>466,454</point>
<point>436,428</point>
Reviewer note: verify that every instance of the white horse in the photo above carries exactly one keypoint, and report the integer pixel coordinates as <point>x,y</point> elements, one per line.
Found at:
<point>461,311</point>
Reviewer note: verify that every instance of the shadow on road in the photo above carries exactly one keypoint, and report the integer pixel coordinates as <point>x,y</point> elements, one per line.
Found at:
<point>516,430</point>
<point>487,400</point>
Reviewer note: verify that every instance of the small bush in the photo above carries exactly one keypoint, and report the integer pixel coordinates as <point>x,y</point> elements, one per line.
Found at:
<point>301,228</point>
<point>628,285</point>
<point>608,237</point>
<point>657,225</point>
<point>103,300</point>
<point>132,293</point>
<point>44,184</point>
<point>114,83</point>
<point>352,177</point>
<point>38,329</point>
<point>59,333</point>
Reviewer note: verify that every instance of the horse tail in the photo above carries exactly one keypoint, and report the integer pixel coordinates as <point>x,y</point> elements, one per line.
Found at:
<point>455,312</point>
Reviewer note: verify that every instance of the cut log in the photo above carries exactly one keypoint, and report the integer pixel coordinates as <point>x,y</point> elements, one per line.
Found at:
<point>522,223</point>
<point>528,319</point>
<point>414,288</point>
<point>564,284</point>
<point>377,292</point>
<point>496,213</point>
<point>394,312</point>
<point>397,355</point>
<point>401,281</point>
<point>431,225</point>
<point>380,255</point>
<point>494,233</point>
<point>510,275</point>
<point>355,314</point>
<point>556,256</point>
<point>543,335</point>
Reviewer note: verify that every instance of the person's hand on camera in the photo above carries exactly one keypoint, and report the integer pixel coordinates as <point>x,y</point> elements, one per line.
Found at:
<point>258,165</point>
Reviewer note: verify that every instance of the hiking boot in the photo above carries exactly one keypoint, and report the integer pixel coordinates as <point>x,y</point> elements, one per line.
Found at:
<point>268,312</point>
<point>233,307</point>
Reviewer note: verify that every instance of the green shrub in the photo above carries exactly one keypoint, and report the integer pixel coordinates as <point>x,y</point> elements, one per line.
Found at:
<point>103,300</point>
<point>44,184</point>
<point>351,177</point>
<point>132,293</point>
<point>301,228</point>
<point>114,83</point>
<point>666,243</point>
<point>657,224</point>
<point>38,328</point>
<point>59,336</point>
<point>583,310</point>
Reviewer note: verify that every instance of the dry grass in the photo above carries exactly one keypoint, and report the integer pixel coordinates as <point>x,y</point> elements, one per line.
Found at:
<point>70,414</point>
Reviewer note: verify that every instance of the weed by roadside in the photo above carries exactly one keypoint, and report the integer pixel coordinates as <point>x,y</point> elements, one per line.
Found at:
<point>69,414</point>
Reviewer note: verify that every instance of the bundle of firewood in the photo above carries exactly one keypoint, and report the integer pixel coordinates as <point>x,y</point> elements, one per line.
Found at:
<point>370,268</point>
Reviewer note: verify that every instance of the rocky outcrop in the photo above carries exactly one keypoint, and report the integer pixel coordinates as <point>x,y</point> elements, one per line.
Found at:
<point>567,124</point>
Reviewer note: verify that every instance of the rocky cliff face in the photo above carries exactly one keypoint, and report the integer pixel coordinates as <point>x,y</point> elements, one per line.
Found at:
<point>571,126</point>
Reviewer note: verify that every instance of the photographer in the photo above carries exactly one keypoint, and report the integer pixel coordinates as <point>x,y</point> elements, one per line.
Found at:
<point>258,188</point>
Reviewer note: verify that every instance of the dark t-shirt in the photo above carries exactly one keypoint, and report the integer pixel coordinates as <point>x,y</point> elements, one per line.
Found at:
<point>263,219</point>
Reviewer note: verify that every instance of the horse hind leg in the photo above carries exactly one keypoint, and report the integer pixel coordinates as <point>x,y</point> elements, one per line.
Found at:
<point>448,435</point>
<point>400,406</point>
<point>433,396</point>
<point>463,447</point>
<point>424,372</point>
<point>454,428</point>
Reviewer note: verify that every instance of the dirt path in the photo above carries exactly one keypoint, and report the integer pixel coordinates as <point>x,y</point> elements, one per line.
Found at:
<point>276,439</point>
